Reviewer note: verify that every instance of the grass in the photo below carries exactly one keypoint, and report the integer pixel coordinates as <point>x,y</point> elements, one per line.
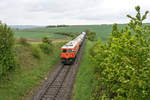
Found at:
<point>84,82</point>
<point>18,84</point>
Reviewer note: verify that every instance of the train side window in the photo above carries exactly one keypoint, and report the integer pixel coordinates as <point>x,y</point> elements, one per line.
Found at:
<point>64,50</point>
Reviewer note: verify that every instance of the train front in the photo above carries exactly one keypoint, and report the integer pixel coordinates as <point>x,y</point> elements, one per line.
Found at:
<point>69,51</point>
<point>67,55</point>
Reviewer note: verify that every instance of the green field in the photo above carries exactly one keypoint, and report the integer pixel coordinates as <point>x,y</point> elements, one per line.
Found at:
<point>102,31</point>
<point>37,33</point>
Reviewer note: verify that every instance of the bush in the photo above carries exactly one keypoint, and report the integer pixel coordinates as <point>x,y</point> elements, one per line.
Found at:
<point>47,40</point>
<point>46,46</point>
<point>23,42</point>
<point>36,52</point>
<point>90,35</point>
<point>7,56</point>
<point>70,34</point>
<point>122,64</point>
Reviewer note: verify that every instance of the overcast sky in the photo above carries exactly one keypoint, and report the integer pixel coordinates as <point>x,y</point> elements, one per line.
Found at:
<point>46,12</point>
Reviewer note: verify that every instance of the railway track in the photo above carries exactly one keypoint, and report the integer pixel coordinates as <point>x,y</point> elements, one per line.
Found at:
<point>60,83</point>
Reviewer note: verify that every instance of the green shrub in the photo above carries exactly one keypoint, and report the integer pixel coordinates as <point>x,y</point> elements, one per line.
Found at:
<point>122,64</point>
<point>36,52</point>
<point>23,42</point>
<point>7,58</point>
<point>70,34</point>
<point>47,40</point>
<point>90,35</point>
<point>46,48</point>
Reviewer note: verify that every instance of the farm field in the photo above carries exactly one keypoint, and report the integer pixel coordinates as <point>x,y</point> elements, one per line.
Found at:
<point>102,31</point>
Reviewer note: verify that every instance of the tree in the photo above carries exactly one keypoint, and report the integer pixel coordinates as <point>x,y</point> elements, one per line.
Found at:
<point>122,64</point>
<point>90,35</point>
<point>7,56</point>
<point>46,45</point>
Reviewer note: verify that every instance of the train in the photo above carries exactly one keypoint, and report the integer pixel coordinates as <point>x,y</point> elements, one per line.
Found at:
<point>70,50</point>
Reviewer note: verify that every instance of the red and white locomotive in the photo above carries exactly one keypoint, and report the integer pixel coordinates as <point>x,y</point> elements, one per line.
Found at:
<point>69,51</point>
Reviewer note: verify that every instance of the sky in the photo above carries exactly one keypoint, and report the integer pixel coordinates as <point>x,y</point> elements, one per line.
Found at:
<point>72,12</point>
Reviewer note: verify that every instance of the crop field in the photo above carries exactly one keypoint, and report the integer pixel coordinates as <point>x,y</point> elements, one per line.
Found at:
<point>102,31</point>
<point>36,33</point>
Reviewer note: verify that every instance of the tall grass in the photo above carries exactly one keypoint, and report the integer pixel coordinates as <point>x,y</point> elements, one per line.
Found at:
<point>84,82</point>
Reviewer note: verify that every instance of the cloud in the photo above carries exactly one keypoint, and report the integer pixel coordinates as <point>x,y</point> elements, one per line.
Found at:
<point>43,12</point>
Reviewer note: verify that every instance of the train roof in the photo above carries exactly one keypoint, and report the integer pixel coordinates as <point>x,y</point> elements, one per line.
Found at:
<point>74,42</point>
<point>70,44</point>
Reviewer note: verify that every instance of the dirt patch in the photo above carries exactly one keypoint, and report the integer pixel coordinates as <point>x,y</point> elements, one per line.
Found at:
<point>34,40</point>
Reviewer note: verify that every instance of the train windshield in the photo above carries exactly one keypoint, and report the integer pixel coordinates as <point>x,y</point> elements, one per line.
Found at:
<point>69,50</point>
<point>64,50</point>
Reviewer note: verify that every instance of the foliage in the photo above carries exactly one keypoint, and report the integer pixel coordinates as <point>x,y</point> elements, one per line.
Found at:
<point>7,58</point>
<point>70,34</point>
<point>91,35</point>
<point>122,64</point>
<point>46,45</point>
<point>47,49</point>
<point>36,52</point>
<point>47,40</point>
<point>23,42</point>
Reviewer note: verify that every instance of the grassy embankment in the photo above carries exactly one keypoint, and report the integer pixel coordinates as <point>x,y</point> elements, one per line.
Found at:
<point>84,82</point>
<point>20,84</point>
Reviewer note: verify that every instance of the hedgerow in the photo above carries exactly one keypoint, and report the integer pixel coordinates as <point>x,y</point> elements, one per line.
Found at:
<point>23,42</point>
<point>122,64</point>
<point>70,34</point>
<point>36,52</point>
<point>7,56</point>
